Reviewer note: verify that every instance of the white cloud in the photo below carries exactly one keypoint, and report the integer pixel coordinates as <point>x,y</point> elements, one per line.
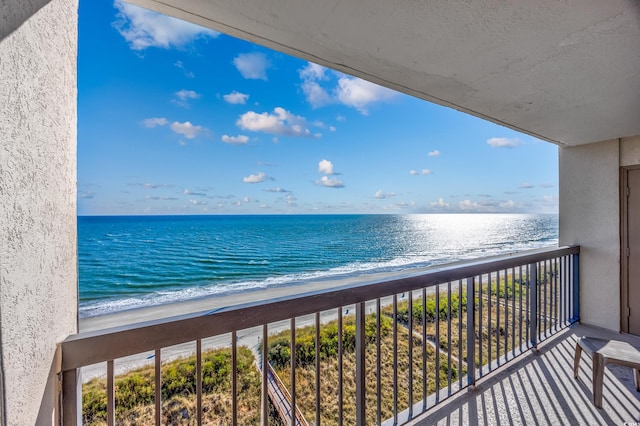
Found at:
<point>382,195</point>
<point>507,204</point>
<point>440,203</point>
<point>313,72</point>
<point>187,73</point>
<point>154,122</point>
<point>504,142</point>
<point>236,98</point>
<point>351,91</point>
<point>142,28</point>
<point>235,140</point>
<point>260,177</point>
<point>315,94</point>
<point>291,200</point>
<point>277,189</point>
<point>150,185</point>
<point>526,185</point>
<point>157,198</point>
<point>420,172</point>
<point>468,205</point>
<point>332,129</point>
<point>359,94</point>
<point>198,202</point>
<point>330,182</point>
<point>282,122</point>
<point>189,192</point>
<point>341,118</point>
<point>186,129</point>
<point>252,66</point>
<point>183,96</point>
<point>435,153</point>
<point>325,167</point>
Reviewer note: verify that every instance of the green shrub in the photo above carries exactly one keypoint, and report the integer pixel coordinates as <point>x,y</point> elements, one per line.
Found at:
<point>279,344</point>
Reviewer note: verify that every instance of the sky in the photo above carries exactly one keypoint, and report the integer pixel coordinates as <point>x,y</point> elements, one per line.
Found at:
<point>178,119</point>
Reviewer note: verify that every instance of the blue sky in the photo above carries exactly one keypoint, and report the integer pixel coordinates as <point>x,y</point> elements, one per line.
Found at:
<point>177,119</point>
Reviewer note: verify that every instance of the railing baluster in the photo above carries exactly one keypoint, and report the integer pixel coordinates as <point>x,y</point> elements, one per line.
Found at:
<point>378,365</point>
<point>437,295</point>
<point>480,332</point>
<point>360,365</point>
<point>498,317</point>
<point>563,290</point>
<point>513,312</point>
<point>489,322</point>
<point>471,333</point>
<point>317,344</point>
<point>234,378</point>
<point>539,301</point>
<point>567,290</point>
<point>158,396</point>
<point>199,382</point>
<point>449,339</point>
<point>265,375</point>
<point>395,358</point>
<point>505,300</point>
<point>575,284</point>
<point>292,362</point>
<point>533,304</point>
<point>340,376</point>
<point>111,400</point>
<point>520,280</point>
<point>528,308</point>
<point>545,300</point>
<point>410,319</point>
<point>424,349</point>
<point>460,355</point>
<point>556,287</point>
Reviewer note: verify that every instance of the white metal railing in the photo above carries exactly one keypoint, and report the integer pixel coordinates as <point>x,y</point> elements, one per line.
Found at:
<point>457,321</point>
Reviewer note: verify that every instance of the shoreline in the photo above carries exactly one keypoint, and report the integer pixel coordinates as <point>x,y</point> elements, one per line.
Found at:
<point>138,315</point>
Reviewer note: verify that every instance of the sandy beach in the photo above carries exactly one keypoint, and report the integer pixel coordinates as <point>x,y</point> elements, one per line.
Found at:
<point>248,337</point>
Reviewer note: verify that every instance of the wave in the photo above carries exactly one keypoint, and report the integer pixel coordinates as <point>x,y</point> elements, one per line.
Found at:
<point>398,264</point>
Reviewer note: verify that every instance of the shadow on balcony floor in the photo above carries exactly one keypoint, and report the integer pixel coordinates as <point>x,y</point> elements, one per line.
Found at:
<point>539,389</point>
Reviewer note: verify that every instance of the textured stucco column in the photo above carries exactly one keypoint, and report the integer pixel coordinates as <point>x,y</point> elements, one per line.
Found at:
<point>38,248</point>
<point>590,217</point>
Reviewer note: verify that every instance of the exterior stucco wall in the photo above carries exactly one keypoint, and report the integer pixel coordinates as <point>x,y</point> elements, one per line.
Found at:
<point>38,248</point>
<point>590,217</point>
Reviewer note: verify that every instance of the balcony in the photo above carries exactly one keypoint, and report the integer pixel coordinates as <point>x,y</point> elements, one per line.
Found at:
<point>539,388</point>
<point>501,327</point>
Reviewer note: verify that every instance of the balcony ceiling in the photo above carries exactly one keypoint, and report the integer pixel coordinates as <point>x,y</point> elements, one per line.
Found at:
<point>564,71</point>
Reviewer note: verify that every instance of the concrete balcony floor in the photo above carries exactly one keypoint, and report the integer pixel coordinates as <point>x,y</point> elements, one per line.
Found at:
<point>539,389</point>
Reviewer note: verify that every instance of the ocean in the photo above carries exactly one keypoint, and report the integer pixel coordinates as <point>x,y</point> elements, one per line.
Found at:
<point>128,262</point>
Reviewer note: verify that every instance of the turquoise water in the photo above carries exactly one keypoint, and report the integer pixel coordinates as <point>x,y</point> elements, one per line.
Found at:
<point>129,262</point>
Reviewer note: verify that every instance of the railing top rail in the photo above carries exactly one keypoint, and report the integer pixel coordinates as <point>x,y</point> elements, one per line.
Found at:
<point>98,346</point>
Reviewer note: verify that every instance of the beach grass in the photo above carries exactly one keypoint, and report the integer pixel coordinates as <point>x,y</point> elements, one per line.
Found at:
<point>135,392</point>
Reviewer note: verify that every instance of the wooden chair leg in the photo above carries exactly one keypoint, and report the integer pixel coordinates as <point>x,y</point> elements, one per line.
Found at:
<point>598,378</point>
<point>576,360</point>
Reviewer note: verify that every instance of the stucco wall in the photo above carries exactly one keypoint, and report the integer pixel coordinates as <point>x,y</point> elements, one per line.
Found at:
<point>590,217</point>
<point>38,261</point>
